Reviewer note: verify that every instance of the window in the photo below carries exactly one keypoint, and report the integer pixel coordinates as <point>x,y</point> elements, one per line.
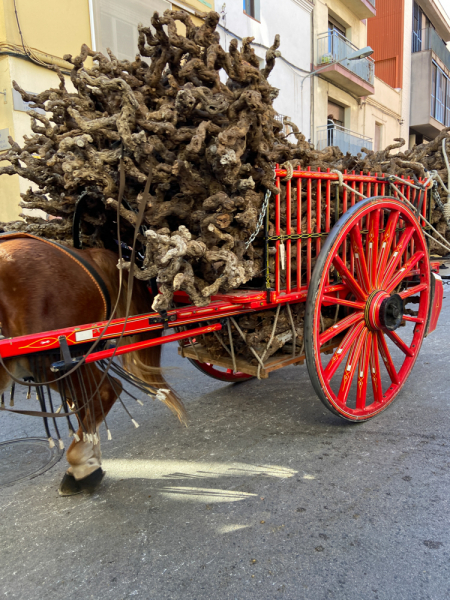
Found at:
<point>335,123</point>
<point>251,8</point>
<point>440,95</point>
<point>378,139</point>
<point>336,113</point>
<point>333,25</point>
<point>116,24</point>
<point>441,92</point>
<point>336,33</point>
<point>447,105</point>
<point>433,89</point>
<point>417,28</point>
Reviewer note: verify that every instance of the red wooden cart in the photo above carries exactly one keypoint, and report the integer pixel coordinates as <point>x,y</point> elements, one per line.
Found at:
<point>364,262</point>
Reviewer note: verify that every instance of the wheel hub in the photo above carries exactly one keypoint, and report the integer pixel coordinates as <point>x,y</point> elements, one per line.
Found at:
<point>384,312</point>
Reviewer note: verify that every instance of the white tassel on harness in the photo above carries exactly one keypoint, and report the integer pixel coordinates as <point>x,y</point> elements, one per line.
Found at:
<point>162,394</point>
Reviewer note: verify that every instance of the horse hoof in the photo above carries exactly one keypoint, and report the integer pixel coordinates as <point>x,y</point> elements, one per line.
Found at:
<point>90,483</point>
<point>69,486</point>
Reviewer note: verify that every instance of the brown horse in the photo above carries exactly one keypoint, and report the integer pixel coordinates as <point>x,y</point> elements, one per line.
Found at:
<point>42,289</point>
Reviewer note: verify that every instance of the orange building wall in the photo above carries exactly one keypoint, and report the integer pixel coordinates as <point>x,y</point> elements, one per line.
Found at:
<point>385,36</point>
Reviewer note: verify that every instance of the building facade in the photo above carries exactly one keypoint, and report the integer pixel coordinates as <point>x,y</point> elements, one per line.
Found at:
<point>340,29</point>
<point>262,20</point>
<point>409,38</point>
<point>36,35</point>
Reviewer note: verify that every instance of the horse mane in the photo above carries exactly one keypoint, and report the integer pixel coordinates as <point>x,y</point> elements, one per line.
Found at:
<point>145,364</point>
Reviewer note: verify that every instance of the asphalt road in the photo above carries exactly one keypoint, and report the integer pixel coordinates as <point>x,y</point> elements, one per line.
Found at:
<point>265,495</point>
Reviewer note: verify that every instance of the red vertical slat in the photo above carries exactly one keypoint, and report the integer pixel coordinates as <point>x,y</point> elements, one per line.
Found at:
<point>288,232</point>
<point>308,229</point>
<point>277,243</point>
<point>407,254</point>
<point>344,209</point>
<point>353,195</point>
<point>299,231</point>
<point>318,212</point>
<point>327,214</point>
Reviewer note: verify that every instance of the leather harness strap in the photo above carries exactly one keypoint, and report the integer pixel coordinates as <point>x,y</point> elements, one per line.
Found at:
<point>84,264</point>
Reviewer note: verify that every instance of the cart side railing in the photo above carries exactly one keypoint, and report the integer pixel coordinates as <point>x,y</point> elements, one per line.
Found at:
<point>309,206</point>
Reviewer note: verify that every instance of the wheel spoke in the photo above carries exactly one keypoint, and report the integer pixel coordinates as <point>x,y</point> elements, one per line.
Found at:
<point>400,343</point>
<point>341,352</point>
<point>351,366</point>
<point>334,330</point>
<point>386,242</point>
<point>397,254</point>
<point>360,259</point>
<point>348,278</point>
<point>387,358</point>
<point>404,271</point>
<point>361,389</point>
<point>413,291</point>
<point>372,246</point>
<point>375,371</point>
<point>344,302</point>
<point>413,319</point>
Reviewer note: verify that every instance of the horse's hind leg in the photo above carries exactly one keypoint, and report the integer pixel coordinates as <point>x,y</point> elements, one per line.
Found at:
<point>84,455</point>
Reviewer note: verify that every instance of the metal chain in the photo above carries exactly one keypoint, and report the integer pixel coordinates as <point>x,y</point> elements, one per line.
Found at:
<point>262,214</point>
<point>437,198</point>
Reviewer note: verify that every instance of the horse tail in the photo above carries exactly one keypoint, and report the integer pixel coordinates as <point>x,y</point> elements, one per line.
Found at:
<point>145,364</point>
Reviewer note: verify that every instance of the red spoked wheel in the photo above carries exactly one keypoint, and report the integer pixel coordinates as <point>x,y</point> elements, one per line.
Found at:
<point>220,373</point>
<point>373,265</point>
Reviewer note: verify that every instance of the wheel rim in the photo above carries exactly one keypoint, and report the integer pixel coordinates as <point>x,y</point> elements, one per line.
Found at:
<point>386,268</point>
<point>220,373</point>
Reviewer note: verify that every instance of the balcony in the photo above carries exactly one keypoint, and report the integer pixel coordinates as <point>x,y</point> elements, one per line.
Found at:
<point>428,39</point>
<point>430,84</point>
<point>428,110</point>
<point>363,9</point>
<point>346,140</point>
<point>356,76</point>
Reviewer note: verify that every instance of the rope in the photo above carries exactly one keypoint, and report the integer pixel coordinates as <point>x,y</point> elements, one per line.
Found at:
<point>270,340</point>
<point>289,171</point>
<point>433,176</point>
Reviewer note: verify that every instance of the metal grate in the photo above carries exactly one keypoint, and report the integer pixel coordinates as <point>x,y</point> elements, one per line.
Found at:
<point>26,458</point>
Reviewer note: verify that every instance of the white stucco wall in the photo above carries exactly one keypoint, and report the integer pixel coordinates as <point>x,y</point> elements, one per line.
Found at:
<point>292,20</point>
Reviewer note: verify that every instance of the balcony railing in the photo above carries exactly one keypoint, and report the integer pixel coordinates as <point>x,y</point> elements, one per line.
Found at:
<point>279,117</point>
<point>333,47</point>
<point>346,140</point>
<point>428,39</point>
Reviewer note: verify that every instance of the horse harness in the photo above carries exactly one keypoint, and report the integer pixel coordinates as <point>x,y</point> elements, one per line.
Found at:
<point>84,264</point>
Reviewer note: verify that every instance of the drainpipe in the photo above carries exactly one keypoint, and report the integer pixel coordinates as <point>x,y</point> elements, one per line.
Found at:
<point>92,24</point>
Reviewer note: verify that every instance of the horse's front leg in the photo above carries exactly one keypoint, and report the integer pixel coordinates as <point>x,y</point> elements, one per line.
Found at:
<point>85,472</point>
